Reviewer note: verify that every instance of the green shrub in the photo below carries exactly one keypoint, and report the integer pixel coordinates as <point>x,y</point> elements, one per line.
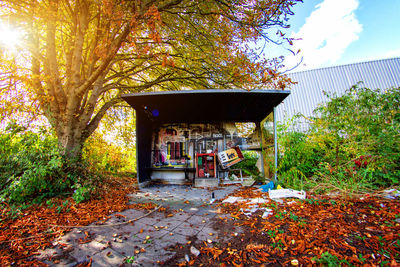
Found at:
<point>248,165</point>
<point>102,155</point>
<point>353,144</point>
<point>31,167</point>
<point>81,193</point>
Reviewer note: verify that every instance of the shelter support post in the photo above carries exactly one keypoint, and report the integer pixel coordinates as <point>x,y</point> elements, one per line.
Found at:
<point>275,147</point>
<point>143,143</point>
<point>258,126</point>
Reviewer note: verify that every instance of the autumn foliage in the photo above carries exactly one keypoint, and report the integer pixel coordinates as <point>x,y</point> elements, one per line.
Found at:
<point>79,57</point>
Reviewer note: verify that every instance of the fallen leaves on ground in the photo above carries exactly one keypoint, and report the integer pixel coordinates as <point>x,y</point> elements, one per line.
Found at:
<point>317,230</point>
<point>37,226</point>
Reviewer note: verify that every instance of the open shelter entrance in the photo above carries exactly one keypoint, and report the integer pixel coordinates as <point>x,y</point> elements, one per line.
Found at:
<point>180,133</point>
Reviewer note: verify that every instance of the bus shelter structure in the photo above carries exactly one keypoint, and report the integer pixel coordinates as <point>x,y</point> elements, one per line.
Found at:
<point>179,133</point>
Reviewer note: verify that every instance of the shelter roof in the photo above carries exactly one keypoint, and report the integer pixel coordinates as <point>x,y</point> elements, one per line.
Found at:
<point>192,106</point>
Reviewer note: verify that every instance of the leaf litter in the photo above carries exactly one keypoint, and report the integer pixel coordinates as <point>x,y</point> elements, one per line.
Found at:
<point>318,230</point>
<point>39,225</point>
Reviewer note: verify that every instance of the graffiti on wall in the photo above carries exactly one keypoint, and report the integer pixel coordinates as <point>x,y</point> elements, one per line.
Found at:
<point>175,145</point>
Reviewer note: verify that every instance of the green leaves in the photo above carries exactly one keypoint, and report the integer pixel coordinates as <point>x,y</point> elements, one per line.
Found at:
<point>81,193</point>
<point>31,167</point>
<point>353,143</point>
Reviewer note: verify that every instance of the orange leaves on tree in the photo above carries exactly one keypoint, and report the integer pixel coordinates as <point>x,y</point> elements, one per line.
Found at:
<point>166,61</point>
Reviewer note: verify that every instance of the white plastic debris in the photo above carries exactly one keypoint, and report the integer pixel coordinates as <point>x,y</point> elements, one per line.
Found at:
<point>187,258</point>
<point>259,200</point>
<point>249,212</point>
<point>267,213</point>
<point>232,200</point>
<point>284,193</point>
<point>194,251</point>
<point>391,193</point>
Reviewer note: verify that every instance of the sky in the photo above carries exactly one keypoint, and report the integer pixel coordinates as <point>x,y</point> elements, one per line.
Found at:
<point>337,32</point>
<point>331,32</point>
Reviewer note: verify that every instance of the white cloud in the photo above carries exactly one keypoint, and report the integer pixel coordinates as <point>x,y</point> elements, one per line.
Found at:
<point>392,53</point>
<point>328,31</point>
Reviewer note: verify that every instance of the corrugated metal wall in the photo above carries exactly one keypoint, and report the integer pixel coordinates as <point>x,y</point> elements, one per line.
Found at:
<point>308,92</point>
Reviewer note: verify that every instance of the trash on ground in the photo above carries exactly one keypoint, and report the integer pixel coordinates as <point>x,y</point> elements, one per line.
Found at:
<point>259,200</point>
<point>187,258</point>
<point>391,193</point>
<point>267,213</point>
<point>285,193</point>
<point>194,251</point>
<point>266,187</point>
<point>249,212</point>
<point>233,200</point>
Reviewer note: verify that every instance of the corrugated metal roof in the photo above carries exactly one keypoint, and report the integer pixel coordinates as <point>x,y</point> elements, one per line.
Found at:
<point>311,84</point>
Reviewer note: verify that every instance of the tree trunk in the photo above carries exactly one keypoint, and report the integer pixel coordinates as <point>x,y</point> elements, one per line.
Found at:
<point>70,141</point>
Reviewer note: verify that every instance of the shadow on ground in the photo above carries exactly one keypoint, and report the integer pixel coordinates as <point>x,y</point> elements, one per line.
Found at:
<point>135,237</point>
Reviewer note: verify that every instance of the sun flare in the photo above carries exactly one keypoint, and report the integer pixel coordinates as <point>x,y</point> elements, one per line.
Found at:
<point>9,37</point>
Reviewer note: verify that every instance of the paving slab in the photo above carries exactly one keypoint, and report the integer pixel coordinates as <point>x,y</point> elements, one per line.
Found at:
<point>148,241</point>
<point>129,247</point>
<point>152,234</point>
<point>186,230</point>
<point>196,219</point>
<point>84,252</point>
<point>132,213</point>
<point>152,219</point>
<point>72,236</point>
<point>106,258</point>
<point>170,240</point>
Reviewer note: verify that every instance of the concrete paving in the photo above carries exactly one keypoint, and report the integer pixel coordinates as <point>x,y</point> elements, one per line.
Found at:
<point>145,241</point>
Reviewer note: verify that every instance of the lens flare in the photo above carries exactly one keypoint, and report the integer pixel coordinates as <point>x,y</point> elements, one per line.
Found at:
<point>9,37</point>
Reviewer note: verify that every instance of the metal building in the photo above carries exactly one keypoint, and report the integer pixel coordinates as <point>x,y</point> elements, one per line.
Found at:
<point>308,93</point>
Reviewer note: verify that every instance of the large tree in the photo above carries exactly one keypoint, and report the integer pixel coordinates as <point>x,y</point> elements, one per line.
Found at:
<point>81,55</point>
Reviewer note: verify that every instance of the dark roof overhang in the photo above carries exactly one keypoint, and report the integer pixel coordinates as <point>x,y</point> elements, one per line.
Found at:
<point>196,106</point>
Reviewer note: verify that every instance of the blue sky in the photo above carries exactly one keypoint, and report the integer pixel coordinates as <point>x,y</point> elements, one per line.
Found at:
<point>336,32</point>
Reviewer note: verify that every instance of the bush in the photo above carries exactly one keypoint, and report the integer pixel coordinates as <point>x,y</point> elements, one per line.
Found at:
<point>248,165</point>
<point>101,155</point>
<point>81,193</point>
<point>353,144</point>
<point>31,167</point>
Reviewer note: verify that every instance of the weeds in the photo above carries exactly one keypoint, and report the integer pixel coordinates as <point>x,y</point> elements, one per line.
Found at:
<point>352,145</point>
<point>329,260</point>
<point>63,207</point>
<point>130,259</point>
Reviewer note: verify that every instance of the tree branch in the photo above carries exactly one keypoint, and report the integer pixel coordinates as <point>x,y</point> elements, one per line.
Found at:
<point>91,127</point>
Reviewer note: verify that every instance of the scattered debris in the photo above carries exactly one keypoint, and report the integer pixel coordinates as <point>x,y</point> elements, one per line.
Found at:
<point>259,200</point>
<point>194,251</point>
<point>233,200</point>
<point>391,193</point>
<point>285,193</point>
<point>295,262</point>
<point>267,213</point>
<point>266,187</point>
<point>187,258</point>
